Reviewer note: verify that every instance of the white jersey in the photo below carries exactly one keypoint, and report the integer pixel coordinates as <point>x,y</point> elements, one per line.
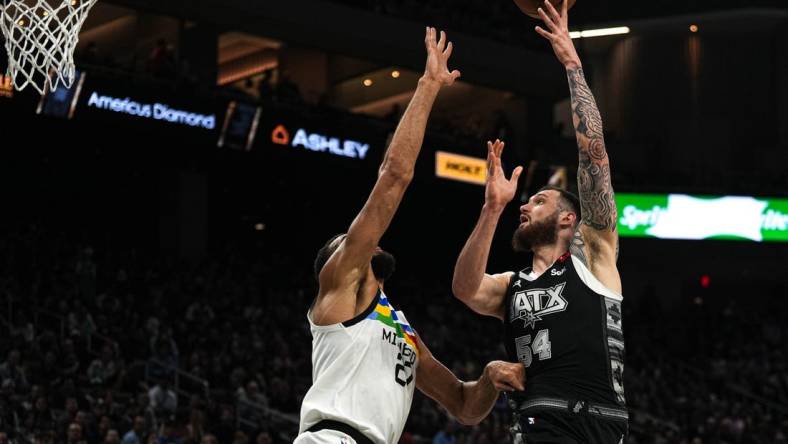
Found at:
<point>363,373</point>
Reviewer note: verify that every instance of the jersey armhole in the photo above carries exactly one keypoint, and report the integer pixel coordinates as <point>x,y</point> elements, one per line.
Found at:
<point>592,282</point>
<point>345,324</point>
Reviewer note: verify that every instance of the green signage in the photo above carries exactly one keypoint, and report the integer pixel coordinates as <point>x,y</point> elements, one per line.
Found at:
<point>679,216</point>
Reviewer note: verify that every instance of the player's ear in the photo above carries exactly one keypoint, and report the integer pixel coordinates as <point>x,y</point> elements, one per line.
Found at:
<point>568,218</point>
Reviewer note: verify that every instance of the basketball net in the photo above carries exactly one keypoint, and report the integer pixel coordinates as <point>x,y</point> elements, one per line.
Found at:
<point>40,38</point>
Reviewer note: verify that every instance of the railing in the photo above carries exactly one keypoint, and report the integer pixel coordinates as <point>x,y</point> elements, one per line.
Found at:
<point>180,375</point>
<point>739,389</point>
<point>261,413</point>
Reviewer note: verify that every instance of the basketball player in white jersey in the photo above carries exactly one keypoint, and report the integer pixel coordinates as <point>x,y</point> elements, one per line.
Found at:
<point>366,358</point>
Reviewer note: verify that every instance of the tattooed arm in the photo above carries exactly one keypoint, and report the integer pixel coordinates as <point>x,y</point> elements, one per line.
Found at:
<point>596,239</point>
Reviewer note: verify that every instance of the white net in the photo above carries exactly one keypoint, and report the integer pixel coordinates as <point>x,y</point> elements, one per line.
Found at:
<point>40,38</point>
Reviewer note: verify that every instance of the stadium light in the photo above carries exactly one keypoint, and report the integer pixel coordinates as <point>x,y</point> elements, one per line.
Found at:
<point>599,32</point>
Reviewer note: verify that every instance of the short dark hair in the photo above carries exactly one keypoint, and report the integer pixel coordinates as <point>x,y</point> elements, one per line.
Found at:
<point>569,201</point>
<point>324,254</point>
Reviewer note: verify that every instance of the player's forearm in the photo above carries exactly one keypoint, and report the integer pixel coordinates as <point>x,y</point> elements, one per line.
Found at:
<point>478,399</point>
<point>400,159</point>
<point>593,174</point>
<point>472,262</point>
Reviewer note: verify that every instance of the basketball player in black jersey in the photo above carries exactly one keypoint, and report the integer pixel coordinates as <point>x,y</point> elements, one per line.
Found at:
<point>562,314</point>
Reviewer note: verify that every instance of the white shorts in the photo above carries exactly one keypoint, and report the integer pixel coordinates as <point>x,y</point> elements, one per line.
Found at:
<point>325,436</point>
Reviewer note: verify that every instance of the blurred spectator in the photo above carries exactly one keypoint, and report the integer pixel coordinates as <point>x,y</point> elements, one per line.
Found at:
<point>137,433</point>
<point>74,435</point>
<point>13,370</point>
<point>102,371</point>
<point>163,399</point>
<point>112,437</point>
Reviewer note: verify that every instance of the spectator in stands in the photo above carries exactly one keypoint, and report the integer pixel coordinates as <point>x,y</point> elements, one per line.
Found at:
<point>195,430</point>
<point>163,399</point>
<point>137,432</point>
<point>446,435</point>
<point>80,322</point>
<point>43,418</point>
<point>145,409</point>
<point>74,435</point>
<point>167,434</point>
<point>12,369</point>
<point>102,370</point>
<point>240,438</point>
<point>263,438</point>
<point>209,439</point>
<point>112,437</point>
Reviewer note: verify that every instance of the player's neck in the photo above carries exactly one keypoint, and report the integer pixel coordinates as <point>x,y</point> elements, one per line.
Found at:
<point>546,255</point>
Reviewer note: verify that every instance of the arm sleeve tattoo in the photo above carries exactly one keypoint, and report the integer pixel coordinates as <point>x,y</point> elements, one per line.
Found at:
<point>597,202</point>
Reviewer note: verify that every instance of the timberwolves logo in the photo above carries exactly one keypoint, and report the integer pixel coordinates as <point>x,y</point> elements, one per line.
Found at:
<point>531,305</point>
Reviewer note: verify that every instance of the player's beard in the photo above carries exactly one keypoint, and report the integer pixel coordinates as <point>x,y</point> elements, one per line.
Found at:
<point>536,234</point>
<point>383,265</point>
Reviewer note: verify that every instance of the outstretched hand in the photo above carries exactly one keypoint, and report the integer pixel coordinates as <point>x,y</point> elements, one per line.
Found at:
<point>499,190</point>
<point>558,34</point>
<point>438,53</point>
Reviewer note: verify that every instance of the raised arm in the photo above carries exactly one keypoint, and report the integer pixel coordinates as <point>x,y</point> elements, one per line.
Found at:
<point>597,237</point>
<point>484,293</point>
<point>468,402</point>
<point>348,264</point>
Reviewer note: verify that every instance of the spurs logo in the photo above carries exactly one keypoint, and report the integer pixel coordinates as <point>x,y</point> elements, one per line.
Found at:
<point>531,305</point>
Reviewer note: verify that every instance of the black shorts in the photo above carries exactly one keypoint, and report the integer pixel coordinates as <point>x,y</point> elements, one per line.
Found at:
<point>556,426</point>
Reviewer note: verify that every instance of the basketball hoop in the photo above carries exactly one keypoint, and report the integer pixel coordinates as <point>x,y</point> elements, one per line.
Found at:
<point>40,38</point>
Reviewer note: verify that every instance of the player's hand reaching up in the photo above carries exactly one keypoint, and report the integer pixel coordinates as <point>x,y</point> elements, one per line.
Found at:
<point>557,34</point>
<point>506,376</point>
<point>438,53</point>
<point>499,190</point>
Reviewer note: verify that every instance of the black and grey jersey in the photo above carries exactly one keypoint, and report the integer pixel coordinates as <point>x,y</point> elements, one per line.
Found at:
<point>565,327</point>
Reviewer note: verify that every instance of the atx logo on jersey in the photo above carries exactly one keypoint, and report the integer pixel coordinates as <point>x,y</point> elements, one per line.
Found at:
<point>531,305</point>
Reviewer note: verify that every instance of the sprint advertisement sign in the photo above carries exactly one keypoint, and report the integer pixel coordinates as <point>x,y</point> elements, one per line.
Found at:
<point>680,216</point>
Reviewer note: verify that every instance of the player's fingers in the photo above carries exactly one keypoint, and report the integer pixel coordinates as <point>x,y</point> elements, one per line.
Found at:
<point>554,15</point>
<point>513,379</point>
<point>490,163</point>
<point>503,386</point>
<point>447,52</point>
<point>547,20</point>
<point>516,175</point>
<point>544,33</point>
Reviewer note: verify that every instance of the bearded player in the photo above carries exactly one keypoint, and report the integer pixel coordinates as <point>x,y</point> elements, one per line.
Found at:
<point>562,314</point>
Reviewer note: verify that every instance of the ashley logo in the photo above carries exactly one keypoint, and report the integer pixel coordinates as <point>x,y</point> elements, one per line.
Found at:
<point>531,305</point>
